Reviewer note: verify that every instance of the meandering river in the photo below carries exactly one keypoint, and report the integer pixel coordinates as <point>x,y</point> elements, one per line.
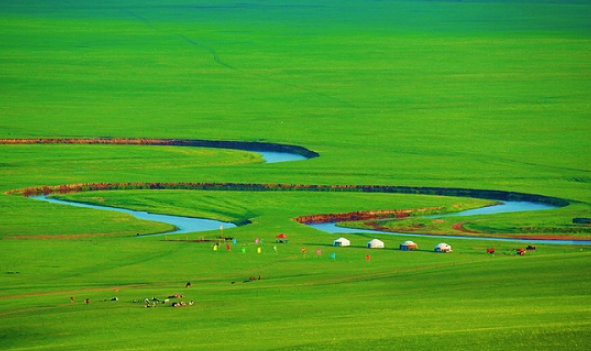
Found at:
<point>503,207</point>
<point>188,224</point>
<point>182,224</point>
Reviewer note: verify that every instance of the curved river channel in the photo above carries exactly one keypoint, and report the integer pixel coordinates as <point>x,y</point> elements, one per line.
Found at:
<point>188,224</point>
<point>182,224</point>
<point>503,207</point>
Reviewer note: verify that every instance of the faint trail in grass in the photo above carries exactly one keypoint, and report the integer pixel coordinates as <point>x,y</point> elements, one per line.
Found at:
<point>213,53</point>
<point>146,22</point>
<point>76,291</point>
<point>219,61</point>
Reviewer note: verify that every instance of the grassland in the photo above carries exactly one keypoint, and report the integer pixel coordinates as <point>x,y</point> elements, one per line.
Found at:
<point>483,94</point>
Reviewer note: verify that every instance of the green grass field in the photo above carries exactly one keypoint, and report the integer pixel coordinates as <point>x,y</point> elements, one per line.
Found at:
<point>472,94</point>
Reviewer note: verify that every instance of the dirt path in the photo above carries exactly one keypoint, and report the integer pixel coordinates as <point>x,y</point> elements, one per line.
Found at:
<point>460,227</point>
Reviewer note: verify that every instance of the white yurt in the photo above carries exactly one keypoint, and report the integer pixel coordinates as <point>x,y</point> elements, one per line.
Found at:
<point>442,247</point>
<point>409,245</point>
<point>375,244</point>
<point>341,242</point>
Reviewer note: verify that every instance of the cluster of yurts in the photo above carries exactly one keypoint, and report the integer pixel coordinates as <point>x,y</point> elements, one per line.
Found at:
<point>405,246</point>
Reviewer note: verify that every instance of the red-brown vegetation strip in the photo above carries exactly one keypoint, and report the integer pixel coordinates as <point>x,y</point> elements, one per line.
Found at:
<point>259,146</point>
<point>460,227</point>
<point>255,146</point>
<point>321,218</point>
<point>360,215</point>
<point>226,144</point>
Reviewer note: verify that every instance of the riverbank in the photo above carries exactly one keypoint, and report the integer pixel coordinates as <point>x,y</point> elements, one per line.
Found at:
<point>330,223</point>
<point>256,146</point>
<point>181,224</point>
<point>388,189</point>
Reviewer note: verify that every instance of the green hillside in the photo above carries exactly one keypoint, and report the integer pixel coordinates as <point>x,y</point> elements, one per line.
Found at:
<point>491,95</point>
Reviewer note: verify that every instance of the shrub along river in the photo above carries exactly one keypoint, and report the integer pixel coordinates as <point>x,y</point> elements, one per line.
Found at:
<point>502,207</point>
<point>182,224</point>
<point>188,224</point>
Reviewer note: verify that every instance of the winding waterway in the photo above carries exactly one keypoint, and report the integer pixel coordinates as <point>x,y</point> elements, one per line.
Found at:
<point>503,207</point>
<point>182,224</point>
<point>188,224</point>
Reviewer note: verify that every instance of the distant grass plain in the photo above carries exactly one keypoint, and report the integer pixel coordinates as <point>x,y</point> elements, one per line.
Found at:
<point>483,94</point>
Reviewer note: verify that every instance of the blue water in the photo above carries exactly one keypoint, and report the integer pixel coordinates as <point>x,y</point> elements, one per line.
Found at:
<point>275,157</point>
<point>333,229</point>
<point>186,224</point>
<point>504,207</point>
<point>183,224</point>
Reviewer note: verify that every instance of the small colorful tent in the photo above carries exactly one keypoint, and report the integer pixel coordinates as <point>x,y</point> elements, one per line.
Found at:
<point>375,244</point>
<point>442,247</point>
<point>281,238</point>
<point>341,242</point>
<point>408,246</point>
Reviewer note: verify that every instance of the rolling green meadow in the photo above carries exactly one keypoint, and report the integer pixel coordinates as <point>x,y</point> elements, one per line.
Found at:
<point>482,94</point>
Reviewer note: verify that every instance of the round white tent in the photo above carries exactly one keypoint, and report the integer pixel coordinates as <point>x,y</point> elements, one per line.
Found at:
<point>442,247</point>
<point>409,245</point>
<point>375,244</point>
<point>341,242</point>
